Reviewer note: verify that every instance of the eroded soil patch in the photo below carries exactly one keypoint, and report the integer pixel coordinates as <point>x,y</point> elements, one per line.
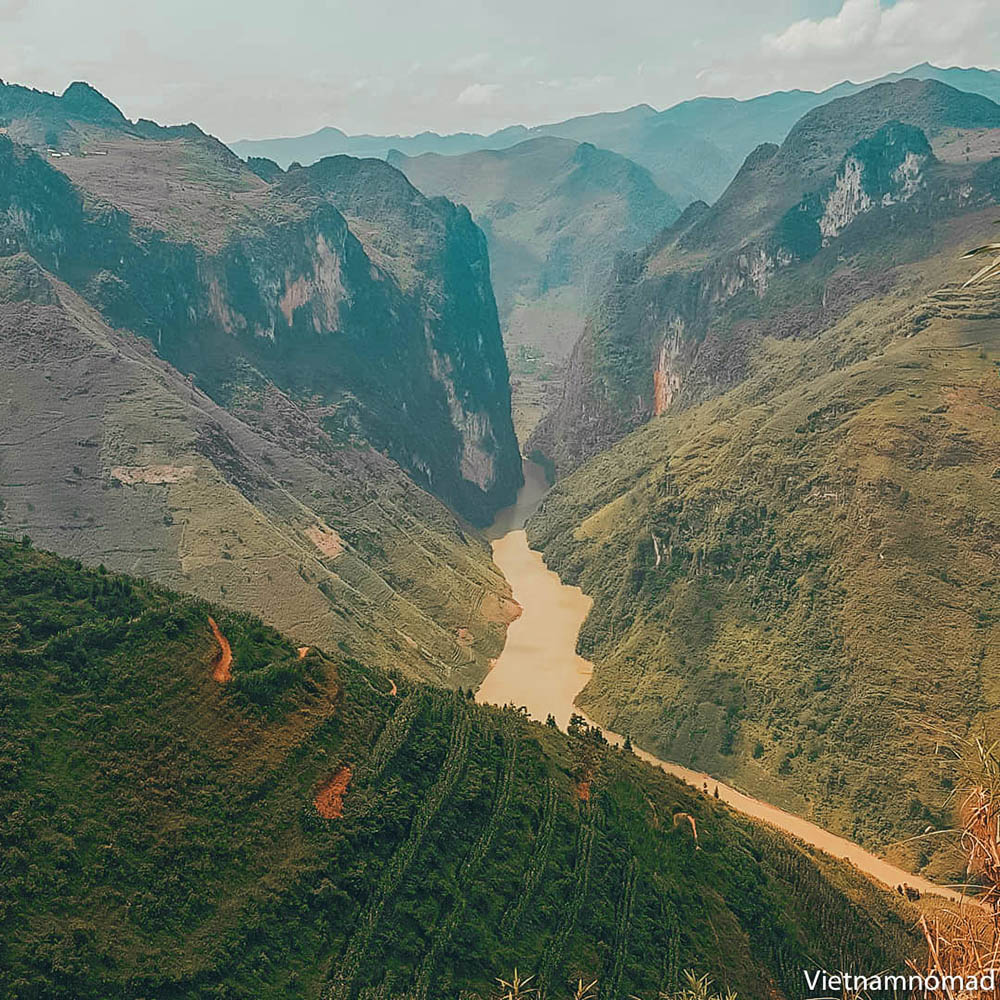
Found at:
<point>223,671</point>
<point>329,799</point>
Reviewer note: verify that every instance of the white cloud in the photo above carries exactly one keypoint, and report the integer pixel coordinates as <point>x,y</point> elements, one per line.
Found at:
<point>479,93</point>
<point>914,30</point>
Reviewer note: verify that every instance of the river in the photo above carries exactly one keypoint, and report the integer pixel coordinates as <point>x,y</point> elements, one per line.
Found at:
<point>540,670</point>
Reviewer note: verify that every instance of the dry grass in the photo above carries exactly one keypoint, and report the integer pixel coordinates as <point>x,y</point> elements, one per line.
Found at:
<point>963,945</point>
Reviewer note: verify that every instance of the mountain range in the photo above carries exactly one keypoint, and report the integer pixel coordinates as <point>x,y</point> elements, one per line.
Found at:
<point>692,149</point>
<point>783,421</point>
<point>261,414</point>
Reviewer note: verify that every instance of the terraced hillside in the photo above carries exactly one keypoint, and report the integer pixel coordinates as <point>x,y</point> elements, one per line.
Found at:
<point>378,321</point>
<point>795,582</point>
<point>109,455</point>
<point>311,829</point>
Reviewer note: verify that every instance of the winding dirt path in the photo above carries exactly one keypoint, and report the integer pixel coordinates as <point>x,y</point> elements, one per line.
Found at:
<point>223,672</point>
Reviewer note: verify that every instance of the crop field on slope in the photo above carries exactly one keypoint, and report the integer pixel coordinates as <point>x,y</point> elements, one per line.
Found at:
<point>161,837</point>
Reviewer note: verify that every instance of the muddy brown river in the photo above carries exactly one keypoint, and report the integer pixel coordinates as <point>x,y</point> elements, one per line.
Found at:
<point>539,669</point>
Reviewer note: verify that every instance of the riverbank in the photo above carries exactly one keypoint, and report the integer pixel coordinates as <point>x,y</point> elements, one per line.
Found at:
<point>540,670</point>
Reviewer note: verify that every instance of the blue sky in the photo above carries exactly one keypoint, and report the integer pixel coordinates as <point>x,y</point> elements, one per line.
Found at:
<point>255,68</point>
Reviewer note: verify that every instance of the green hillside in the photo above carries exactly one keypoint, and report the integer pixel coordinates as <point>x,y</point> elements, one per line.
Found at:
<point>795,582</point>
<point>308,830</point>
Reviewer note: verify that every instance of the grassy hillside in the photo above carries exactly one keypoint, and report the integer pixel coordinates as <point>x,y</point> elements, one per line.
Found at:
<point>310,830</point>
<point>795,579</point>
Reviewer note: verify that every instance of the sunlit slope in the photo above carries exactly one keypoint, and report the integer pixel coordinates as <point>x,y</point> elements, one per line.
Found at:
<point>796,583</point>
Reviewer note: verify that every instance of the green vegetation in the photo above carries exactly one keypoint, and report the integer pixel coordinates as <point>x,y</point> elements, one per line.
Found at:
<point>159,837</point>
<point>794,570</point>
<point>792,579</point>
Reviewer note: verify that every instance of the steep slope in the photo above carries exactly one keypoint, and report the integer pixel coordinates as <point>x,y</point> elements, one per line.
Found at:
<point>309,830</point>
<point>805,231</point>
<point>555,215</point>
<point>794,569</point>
<point>111,456</point>
<point>795,583</point>
<point>170,235</point>
<point>693,149</point>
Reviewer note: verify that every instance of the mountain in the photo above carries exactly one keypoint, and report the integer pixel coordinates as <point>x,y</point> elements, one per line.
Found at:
<point>793,561</point>
<point>111,456</point>
<point>244,392</point>
<point>383,326</point>
<point>692,149</point>
<point>776,253</point>
<point>193,808</point>
<point>555,214</point>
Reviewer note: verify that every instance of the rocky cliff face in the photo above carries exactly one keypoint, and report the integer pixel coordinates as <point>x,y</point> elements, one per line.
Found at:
<point>556,214</point>
<point>383,326</point>
<point>804,232</point>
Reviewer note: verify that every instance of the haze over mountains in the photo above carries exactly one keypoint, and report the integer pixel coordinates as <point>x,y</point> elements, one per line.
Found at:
<point>692,150</point>
<point>556,214</point>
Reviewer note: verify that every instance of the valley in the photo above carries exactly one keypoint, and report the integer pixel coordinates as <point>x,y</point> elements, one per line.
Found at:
<point>572,549</point>
<point>541,672</point>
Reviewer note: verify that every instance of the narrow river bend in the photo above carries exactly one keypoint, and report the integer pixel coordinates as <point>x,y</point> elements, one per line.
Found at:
<point>539,669</point>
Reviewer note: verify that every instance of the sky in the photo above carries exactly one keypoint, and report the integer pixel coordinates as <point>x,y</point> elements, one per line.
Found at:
<point>255,68</point>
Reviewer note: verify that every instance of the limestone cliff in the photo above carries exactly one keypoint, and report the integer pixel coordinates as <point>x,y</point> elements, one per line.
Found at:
<point>379,318</point>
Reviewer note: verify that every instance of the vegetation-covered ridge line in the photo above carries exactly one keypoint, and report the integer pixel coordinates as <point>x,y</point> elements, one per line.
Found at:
<point>161,836</point>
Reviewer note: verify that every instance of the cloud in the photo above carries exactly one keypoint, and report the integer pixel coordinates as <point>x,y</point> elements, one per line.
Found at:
<point>909,29</point>
<point>479,93</point>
